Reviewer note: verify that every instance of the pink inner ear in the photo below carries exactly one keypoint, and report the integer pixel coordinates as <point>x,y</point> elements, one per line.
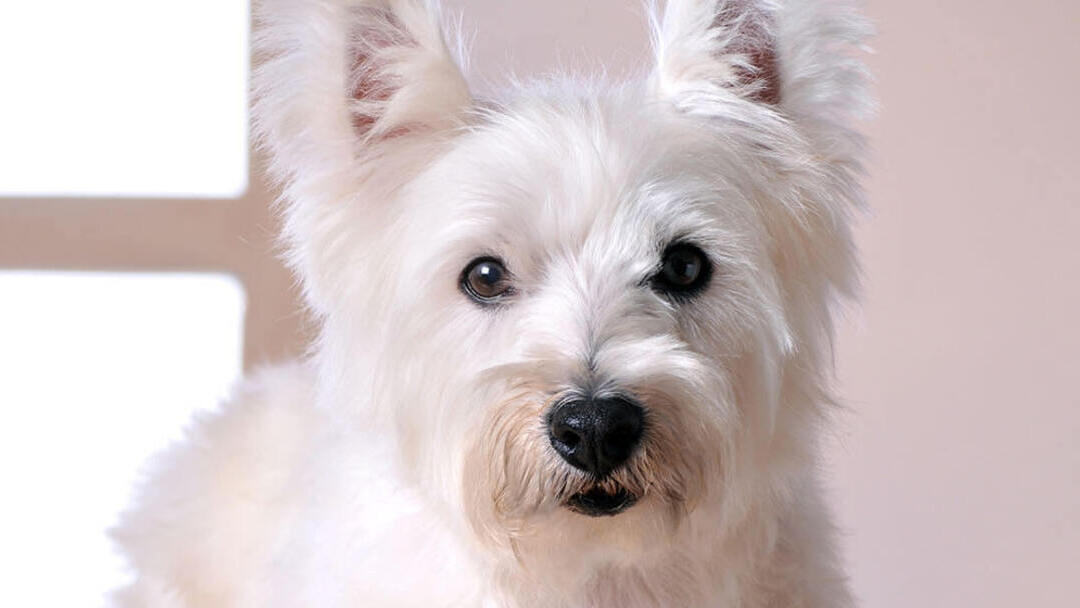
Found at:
<point>767,76</point>
<point>377,31</point>
<point>365,87</point>
<point>753,40</point>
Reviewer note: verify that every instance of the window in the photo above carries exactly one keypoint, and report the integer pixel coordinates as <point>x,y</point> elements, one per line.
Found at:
<point>124,98</point>
<point>100,371</point>
<point>138,266</point>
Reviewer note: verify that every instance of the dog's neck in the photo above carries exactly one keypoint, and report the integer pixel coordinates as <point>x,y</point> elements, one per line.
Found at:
<point>705,564</point>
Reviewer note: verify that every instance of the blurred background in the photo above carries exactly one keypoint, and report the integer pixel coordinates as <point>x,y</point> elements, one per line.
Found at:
<point>139,278</point>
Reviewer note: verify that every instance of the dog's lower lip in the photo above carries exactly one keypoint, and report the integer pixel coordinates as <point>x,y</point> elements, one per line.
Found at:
<point>598,503</point>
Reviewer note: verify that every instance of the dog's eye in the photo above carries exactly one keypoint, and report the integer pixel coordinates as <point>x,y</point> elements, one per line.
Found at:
<point>486,280</point>
<point>684,270</point>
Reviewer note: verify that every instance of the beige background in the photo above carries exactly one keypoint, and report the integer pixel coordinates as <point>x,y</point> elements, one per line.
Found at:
<point>957,472</point>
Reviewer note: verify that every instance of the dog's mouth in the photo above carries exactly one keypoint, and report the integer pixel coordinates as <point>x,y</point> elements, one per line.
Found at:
<point>599,502</point>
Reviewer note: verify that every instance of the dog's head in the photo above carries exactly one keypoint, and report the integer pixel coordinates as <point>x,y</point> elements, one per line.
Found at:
<point>584,307</point>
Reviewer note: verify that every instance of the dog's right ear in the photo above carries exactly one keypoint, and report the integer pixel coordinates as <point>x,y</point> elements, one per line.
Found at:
<point>340,87</point>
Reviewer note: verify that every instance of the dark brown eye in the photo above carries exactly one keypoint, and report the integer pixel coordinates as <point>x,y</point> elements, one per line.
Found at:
<point>486,280</point>
<point>685,270</point>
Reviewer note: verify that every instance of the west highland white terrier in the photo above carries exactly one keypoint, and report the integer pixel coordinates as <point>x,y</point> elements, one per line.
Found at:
<point>574,342</point>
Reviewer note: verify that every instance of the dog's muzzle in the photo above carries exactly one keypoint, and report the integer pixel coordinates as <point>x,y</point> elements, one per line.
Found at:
<point>597,435</point>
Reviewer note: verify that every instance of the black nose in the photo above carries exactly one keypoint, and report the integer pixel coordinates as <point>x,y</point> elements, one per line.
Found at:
<point>596,435</point>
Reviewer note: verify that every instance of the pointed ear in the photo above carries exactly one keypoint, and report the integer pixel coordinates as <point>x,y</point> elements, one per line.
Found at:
<point>342,86</point>
<point>404,78</point>
<point>803,57</point>
<point>709,44</point>
<point>366,69</point>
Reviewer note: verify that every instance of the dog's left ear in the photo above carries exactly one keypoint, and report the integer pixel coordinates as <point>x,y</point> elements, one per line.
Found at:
<point>802,58</point>
<point>702,45</point>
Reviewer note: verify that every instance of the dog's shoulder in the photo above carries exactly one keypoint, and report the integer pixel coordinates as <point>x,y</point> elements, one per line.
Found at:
<point>210,507</point>
<point>267,499</point>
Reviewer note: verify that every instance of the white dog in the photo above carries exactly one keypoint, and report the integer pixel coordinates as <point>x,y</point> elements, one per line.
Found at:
<point>575,342</point>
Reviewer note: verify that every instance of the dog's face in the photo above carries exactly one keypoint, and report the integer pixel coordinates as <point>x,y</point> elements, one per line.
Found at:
<point>586,300</point>
<point>584,310</point>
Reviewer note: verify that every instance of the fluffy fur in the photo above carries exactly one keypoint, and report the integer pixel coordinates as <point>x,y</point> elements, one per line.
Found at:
<point>406,461</point>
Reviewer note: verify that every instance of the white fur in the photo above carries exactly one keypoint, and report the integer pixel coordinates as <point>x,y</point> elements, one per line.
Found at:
<point>404,463</point>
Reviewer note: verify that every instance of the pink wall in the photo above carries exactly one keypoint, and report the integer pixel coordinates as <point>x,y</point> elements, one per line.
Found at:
<point>957,474</point>
<point>960,476</point>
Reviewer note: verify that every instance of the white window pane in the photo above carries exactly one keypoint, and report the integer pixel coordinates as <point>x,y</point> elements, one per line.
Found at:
<point>124,97</point>
<point>99,371</point>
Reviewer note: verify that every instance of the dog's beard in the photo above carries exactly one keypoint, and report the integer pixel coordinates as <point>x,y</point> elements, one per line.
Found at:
<point>514,477</point>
